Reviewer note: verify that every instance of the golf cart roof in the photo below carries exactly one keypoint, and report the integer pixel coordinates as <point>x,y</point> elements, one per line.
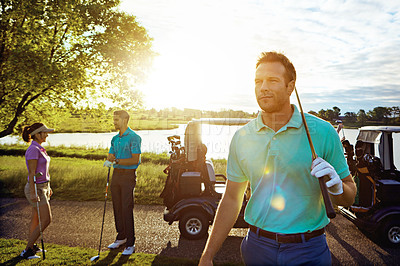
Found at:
<point>394,129</point>
<point>380,136</point>
<point>372,134</point>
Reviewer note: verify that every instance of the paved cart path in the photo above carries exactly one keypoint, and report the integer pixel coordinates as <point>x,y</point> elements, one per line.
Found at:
<point>79,224</point>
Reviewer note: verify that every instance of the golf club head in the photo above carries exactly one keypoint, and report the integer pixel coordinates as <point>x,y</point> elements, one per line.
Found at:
<point>39,174</point>
<point>95,258</point>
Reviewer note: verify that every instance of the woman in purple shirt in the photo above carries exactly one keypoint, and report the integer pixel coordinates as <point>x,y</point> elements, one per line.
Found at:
<point>37,161</point>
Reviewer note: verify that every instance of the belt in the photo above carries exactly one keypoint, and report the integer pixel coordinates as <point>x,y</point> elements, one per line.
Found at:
<point>286,238</point>
<point>121,170</point>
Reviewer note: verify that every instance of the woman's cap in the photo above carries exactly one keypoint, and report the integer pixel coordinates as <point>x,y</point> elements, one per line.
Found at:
<point>42,129</point>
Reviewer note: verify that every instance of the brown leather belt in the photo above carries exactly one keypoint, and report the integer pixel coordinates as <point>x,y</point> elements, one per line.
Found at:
<point>287,238</point>
<point>121,170</point>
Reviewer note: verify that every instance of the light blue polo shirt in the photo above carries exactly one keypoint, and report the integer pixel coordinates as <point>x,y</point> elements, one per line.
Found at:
<point>124,146</point>
<point>285,197</point>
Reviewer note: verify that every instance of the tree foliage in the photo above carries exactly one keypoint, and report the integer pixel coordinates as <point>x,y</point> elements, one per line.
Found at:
<point>54,53</point>
<point>377,116</point>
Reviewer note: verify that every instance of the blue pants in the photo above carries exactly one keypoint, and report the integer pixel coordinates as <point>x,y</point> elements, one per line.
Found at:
<point>259,250</point>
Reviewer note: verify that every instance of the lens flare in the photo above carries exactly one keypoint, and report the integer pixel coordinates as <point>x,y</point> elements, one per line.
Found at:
<point>266,171</point>
<point>278,202</point>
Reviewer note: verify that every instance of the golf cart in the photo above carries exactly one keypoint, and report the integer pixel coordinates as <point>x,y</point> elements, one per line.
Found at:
<point>192,189</point>
<point>377,209</point>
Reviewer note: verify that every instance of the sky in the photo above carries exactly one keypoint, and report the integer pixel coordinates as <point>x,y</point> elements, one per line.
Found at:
<point>346,53</point>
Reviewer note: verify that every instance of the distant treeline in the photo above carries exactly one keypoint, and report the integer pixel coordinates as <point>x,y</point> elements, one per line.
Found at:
<point>100,119</point>
<point>377,116</point>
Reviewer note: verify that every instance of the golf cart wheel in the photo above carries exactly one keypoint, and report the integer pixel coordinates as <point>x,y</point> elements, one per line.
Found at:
<point>194,225</point>
<point>391,232</point>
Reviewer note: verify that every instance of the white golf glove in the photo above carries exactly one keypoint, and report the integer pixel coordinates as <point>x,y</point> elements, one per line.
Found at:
<point>107,164</point>
<point>320,168</point>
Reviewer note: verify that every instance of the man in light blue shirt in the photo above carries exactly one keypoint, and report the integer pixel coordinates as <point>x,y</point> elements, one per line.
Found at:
<point>124,156</point>
<point>286,212</point>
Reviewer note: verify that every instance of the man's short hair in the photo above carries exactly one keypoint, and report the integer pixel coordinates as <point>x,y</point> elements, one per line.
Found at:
<point>267,57</point>
<point>122,114</point>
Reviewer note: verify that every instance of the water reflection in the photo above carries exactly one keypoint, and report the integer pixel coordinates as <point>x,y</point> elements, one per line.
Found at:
<point>216,137</point>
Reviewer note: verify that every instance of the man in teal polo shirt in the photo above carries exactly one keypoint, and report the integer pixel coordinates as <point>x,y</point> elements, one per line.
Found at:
<point>285,212</point>
<point>124,156</point>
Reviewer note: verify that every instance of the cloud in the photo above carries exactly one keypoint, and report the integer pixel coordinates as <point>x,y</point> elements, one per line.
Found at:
<point>353,99</point>
<point>345,52</point>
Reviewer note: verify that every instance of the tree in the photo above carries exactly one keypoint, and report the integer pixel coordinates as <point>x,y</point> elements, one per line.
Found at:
<point>336,112</point>
<point>313,112</point>
<point>380,113</point>
<point>350,117</point>
<point>53,53</point>
<point>321,114</point>
<point>396,113</point>
<point>362,117</point>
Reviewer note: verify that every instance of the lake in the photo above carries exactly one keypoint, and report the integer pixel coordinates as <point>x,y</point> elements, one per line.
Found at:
<point>216,137</point>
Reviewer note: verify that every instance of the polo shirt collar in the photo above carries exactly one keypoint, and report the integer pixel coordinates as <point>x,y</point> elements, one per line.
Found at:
<point>259,123</point>
<point>35,143</point>
<point>295,121</point>
<point>127,131</point>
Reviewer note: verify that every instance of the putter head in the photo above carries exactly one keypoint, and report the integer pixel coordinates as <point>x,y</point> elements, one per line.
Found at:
<point>95,258</point>
<point>39,174</point>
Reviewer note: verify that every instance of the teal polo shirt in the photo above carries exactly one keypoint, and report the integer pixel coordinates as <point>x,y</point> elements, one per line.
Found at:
<point>124,146</point>
<point>285,197</point>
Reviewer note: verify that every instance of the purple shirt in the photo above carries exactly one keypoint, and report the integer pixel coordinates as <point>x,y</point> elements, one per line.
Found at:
<point>37,152</point>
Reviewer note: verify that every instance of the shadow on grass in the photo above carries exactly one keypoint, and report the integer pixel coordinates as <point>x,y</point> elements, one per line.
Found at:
<point>109,258</point>
<point>13,261</point>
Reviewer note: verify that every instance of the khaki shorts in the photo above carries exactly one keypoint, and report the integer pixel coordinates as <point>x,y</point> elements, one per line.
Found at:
<point>43,191</point>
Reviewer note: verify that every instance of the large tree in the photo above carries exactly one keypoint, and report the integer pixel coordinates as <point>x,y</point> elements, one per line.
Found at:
<point>52,53</point>
<point>380,113</point>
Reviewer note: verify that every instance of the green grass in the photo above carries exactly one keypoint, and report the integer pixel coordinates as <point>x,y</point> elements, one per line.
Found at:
<point>83,179</point>
<point>80,152</point>
<point>105,124</point>
<point>80,179</point>
<point>63,255</point>
<point>77,173</point>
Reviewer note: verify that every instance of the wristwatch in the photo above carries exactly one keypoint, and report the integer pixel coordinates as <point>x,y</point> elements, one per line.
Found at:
<point>116,161</point>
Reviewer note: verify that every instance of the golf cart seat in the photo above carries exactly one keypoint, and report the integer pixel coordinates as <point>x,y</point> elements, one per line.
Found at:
<point>192,192</point>
<point>367,169</point>
<point>378,208</point>
<point>196,152</point>
<point>375,173</point>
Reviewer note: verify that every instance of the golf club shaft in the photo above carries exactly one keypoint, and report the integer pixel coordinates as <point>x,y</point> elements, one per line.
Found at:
<point>104,211</point>
<point>40,223</point>
<point>330,212</point>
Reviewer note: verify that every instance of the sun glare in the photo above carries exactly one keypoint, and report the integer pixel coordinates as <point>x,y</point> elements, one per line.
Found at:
<point>195,67</point>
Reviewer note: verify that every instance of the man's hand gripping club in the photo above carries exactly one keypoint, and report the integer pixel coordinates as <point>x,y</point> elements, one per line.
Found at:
<point>108,164</point>
<point>320,168</point>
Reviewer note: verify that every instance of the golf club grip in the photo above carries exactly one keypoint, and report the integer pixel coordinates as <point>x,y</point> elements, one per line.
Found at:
<point>330,212</point>
<point>43,251</point>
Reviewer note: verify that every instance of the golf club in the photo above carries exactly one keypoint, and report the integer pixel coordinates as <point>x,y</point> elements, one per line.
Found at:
<point>38,211</point>
<point>104,213</point>
<point>327,200</point>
